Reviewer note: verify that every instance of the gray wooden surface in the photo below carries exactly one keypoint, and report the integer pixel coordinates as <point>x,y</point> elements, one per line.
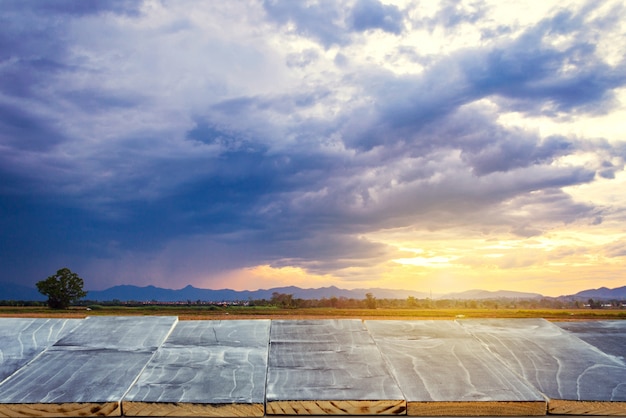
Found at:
<point>22,339</point>
<point>208,368</point>
<point>576,377</point>
<point>88,371</point>
<point>120,333</point>
<point>608,336</point>
<point>158,366</point>
<point>328,367</point>
<point>443,370</point>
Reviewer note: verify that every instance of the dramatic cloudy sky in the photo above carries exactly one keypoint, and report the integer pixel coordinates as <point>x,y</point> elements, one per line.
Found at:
<point>428,145</point>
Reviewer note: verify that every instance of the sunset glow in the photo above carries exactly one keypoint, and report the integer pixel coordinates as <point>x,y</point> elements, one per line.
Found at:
<point>433,146</point>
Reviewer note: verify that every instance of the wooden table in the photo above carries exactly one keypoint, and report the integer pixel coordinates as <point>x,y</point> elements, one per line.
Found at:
<point>443,370</point>
<point>22,339</point>
<point>577,378</point>
<point>159,366</point>
<point>608,336</point>
<point>205,368</point>
<point>322,367</point>
<point>88,371</point>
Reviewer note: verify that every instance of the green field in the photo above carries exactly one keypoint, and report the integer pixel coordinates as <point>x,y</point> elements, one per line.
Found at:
<point>238,312</point>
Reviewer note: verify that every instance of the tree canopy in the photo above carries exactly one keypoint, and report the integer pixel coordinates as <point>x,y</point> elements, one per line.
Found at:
<point>62,288</point>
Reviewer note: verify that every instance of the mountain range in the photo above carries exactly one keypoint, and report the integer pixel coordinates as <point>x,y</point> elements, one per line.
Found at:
<point>11,291</point>
<point>148,293</point>
<point>602,293</point>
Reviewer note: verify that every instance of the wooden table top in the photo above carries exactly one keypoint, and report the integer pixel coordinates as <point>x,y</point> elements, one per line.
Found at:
<point>160,366</point>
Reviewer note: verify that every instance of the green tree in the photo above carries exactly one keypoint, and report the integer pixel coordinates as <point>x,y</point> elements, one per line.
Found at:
<point>62,289</point>
<point>370,301</point>
<point>282,300</point>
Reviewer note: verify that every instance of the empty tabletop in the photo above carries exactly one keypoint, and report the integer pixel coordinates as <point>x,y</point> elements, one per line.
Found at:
<point>328,367</point>
<point>22,339</point>
<point>120,333</point>
<point>205,368</point>
<point>87,372</point>
<point>443,370</point>
<point>608,336</point>
<point>576,377</point>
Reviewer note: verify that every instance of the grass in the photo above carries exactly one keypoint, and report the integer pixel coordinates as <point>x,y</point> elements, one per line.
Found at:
<point>213,312</point>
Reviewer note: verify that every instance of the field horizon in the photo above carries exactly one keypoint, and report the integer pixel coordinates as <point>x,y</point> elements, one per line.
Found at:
<point>232,313</point>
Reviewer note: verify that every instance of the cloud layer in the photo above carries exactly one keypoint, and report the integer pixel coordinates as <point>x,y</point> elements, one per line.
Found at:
<point>184,142</point>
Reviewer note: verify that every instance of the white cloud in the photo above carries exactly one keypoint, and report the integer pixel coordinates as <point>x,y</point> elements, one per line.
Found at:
<point>303,131</point>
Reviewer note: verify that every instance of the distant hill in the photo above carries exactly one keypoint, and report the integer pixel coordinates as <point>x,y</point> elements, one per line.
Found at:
<point>148,293</point>
<point>10,291</point>
<point>477,294</point>
<point>13,291</point>
<point>601,293</point>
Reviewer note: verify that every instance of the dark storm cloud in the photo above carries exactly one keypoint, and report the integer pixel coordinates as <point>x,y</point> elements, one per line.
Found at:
<point>34,40</point>
<point>24,130</point>
<point>330,22</point>
<point>371,14</point>
<point>227,178</point>
<point>29,53</point>
<point>321,20</point>
<point>328,252</point>
<point>74,7</point>
<point>534,75</point>
<point>515,151</point>
<point>526,75</point>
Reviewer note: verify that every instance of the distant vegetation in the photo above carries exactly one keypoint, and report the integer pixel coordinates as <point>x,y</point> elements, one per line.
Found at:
<point>287,301</point>
<point>62,288</point>
<point>285,305</point>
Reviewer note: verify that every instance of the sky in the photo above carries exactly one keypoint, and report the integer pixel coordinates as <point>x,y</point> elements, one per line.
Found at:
<point>435,146</point>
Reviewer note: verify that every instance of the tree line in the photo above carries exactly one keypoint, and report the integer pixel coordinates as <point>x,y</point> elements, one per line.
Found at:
<point>66,288</point>
<point>371,302</point>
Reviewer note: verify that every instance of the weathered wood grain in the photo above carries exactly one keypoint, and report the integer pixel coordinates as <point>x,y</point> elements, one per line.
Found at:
<point>576,377</point>
<point>120,333</point>
<point>60,410</point>
<point>85,373</point>
<point>443,370</point>
<point>232,333</point>
<point>566,407</point>
<point>205,368</point>
<point>328,367</point>
<point>608,336</point>
<point>22,339</point>
<point>343,407</point>
<point>189,409</point>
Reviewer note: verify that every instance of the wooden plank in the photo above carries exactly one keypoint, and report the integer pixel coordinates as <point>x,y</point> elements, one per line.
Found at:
<point>328,367</point>
<point>205,368</point>
<point>22,339</point>
<point>608,336</point>
<point>577,378</point>
<point>84,373</point>
<point>336,407</point>
<point>443,371</point>
<point>59,410</point>
<point>120,333</point>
